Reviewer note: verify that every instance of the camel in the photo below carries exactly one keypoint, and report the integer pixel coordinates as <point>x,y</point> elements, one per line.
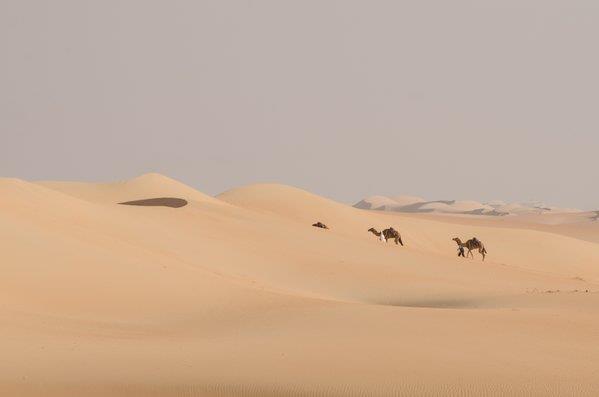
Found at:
<point>471,245</point>
<point>388,234</point>
<point>320,225</point>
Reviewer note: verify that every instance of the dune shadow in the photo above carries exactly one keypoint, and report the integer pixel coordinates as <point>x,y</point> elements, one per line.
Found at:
<point>433,304</point>
<point>170,202</point>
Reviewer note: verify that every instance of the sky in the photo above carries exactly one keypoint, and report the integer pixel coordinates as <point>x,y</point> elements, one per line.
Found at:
<point>458,99</point>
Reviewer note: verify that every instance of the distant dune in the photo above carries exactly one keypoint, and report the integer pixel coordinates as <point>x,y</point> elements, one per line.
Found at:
<point>493,208</point>
<point>388,203</point>
<point>238,295</point>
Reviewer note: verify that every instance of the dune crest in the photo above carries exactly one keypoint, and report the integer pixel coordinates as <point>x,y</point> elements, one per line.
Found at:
<point>139,188</point>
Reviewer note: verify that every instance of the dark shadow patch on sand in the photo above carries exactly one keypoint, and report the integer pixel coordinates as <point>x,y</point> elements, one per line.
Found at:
<point>437,304</point>
<point>170,202</point>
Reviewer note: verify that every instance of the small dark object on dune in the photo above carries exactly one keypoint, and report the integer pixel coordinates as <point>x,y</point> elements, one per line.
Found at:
<point>320,225</point>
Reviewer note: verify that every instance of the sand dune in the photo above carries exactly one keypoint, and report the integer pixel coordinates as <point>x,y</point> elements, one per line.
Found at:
<point>377,203</point>
<point>240,295</point>
<point>413,204</point>
<point>146,186</point>
<point>407,200</point>
<point>388,203</point>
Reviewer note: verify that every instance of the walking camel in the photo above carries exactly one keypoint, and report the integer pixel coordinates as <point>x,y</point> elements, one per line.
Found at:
<point>388,234</point>
<point>471,245</point>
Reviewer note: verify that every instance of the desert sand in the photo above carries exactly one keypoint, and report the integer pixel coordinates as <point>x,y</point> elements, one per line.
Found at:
<point>238,295</point>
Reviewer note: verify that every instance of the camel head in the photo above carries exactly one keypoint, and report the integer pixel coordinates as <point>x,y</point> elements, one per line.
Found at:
<point>373,230</point>
<point>457,240</point>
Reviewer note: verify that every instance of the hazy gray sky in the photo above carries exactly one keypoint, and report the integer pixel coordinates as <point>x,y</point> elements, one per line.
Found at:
<point>443,99</point>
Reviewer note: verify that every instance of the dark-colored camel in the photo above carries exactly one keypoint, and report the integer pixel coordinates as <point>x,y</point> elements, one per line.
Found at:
<point>389,234</point>
<point>471,245</point>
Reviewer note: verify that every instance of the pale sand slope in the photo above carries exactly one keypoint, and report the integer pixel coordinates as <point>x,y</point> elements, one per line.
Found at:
<point>239,295</point>
<point>580,225</point>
